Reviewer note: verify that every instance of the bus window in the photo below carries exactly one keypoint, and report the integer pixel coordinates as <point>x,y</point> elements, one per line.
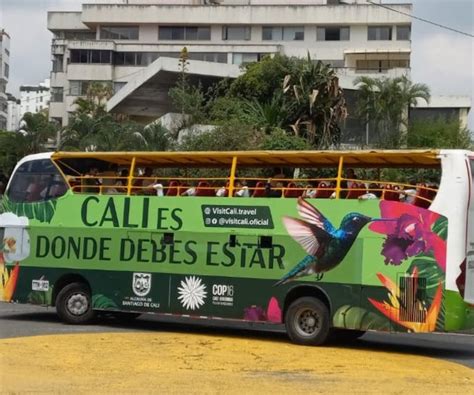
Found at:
<point>36,180</point>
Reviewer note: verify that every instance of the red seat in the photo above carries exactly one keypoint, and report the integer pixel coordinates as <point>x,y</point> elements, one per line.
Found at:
<point>259,190</point>
<point>391,192</point>
<point>292,191</point>
<point>324,190</point>
<point>173,189</point>
<point>356,190</point>
<point>204,189</point>
<point>424,196</point>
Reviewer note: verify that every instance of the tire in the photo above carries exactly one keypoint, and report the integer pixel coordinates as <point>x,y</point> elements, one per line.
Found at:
<point>74,304</point>
<point>307,321</point>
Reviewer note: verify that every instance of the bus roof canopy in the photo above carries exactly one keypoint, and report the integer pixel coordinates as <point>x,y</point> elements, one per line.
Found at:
<point>374,158</point>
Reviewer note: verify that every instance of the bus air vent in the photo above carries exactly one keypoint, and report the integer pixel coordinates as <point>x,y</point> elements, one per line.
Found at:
<point>412,299</point>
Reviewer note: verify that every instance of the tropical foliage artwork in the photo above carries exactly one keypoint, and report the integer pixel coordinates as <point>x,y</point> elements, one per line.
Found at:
<point>15,247</point>
<point>419,233</point>
<point>415,238</point>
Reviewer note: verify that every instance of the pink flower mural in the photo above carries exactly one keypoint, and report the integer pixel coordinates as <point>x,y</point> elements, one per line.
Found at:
<point>409,234</point>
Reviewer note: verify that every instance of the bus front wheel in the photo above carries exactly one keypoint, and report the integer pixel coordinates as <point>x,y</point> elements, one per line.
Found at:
<point>74,304</point>
<point>307,321</point>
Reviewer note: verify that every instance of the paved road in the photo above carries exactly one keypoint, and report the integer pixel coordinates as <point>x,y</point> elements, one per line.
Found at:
<point>24,320</point>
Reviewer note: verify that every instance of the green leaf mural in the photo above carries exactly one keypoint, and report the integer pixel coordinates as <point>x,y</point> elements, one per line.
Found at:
<point>440,227</point>
<point>40,211</point>
<point>354,317</point>
<point>100,301</point>
<point>42,298</point>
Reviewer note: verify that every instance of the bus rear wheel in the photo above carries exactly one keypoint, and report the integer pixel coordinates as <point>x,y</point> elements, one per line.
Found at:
<point>74,304</point>
<point>307,321</point>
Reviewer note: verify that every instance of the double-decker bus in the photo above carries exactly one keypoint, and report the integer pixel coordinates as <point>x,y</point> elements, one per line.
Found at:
<point>324,242</point>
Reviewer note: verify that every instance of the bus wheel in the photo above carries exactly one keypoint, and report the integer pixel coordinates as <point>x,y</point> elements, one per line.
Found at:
<point>74,304</point>
<point>307,321</point>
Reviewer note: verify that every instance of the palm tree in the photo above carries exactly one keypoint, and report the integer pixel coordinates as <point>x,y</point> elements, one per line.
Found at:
<point>94,104</point>
<point>37,129</point>
<point>153,137</point>
<point>312,91</point>
<point>385,102</point>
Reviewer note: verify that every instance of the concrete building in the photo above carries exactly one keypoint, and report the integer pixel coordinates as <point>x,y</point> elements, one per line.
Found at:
<point>4,74</point>
<point>34,98</point>
<point>133,44</point>
<point>13,113</point>
<point>443,107</point>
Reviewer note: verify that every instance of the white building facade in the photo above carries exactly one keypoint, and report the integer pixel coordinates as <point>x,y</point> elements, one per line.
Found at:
<point>34,98</point>
<point>13,113</point>
<point>117,41</point>
<point>4,75</point>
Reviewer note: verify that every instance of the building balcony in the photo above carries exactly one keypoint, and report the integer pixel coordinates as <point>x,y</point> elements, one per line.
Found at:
<point>64,20</point>
<point>98,14</point>
<point>373,72</point>
<point>91,44</point>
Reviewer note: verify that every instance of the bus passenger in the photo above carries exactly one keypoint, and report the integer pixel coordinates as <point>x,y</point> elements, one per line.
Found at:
<point>374,192</point>
<point>90,182</point>
<point>122,183</point>
<point>274,186</point>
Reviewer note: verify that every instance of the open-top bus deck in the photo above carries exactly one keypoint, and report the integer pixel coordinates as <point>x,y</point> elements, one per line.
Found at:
<point>322,241</point>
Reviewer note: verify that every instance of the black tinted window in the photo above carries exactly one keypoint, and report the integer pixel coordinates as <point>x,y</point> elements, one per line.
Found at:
<point>35,181</point>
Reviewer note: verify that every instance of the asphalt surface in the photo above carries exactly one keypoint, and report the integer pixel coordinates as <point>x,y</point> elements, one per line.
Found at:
<point>25,320</point>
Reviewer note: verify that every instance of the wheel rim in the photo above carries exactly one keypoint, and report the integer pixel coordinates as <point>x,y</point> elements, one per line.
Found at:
<point>307,322</point>
<point>78,304</point>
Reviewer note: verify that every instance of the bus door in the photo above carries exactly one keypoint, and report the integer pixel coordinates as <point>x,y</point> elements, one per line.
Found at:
<point>469,284</point>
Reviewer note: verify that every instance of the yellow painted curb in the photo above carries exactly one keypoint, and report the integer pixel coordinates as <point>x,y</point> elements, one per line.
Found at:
<point>195,363</point>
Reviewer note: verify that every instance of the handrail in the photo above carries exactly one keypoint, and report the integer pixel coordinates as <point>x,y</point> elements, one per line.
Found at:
<point>298,186</point>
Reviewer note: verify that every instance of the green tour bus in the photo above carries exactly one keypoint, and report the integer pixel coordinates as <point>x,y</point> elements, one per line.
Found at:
<point>325,242</point>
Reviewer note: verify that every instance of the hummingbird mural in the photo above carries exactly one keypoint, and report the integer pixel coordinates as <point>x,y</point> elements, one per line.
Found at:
<point>326,246</point>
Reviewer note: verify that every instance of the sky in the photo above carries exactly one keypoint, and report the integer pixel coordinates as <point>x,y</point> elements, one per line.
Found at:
<point>442,59</point>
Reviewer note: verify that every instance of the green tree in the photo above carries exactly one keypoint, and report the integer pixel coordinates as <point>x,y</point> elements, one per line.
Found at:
<point>13,147</point>
<point>154,137</point>
<point>188,98</point>
<point>438,133</point>
<point>279,140</point>
<point>260,80</point>
<point>38,130</point>
<point>229,137</point>
<point>316,101</point>
<point>384,103</point>
<point>95,102</point>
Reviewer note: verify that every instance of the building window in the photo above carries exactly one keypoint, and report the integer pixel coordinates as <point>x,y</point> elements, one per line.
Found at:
<point>333,33</point>
<point>283,33</point>
<point>217,57</point>
<point>119,32</point>
<point>80,88</point>
<point>380,66</point>
<point>6,70</point>
<point>56,95</point>
<point>192,33</point>
<point>379,33</point>
<point>58,63</point>
<point>403,33</point>
<point>7,52</point>
<point>90,56</point>
<point>236,32</point>
<point>244,58</point>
